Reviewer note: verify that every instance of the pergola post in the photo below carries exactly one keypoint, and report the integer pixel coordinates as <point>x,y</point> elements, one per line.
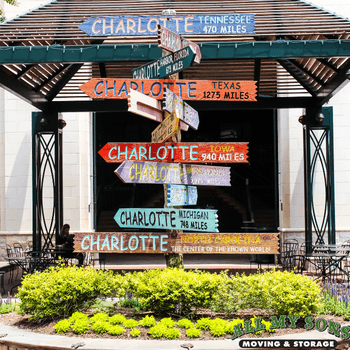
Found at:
<point>47,178</point>
<point>319,159</point>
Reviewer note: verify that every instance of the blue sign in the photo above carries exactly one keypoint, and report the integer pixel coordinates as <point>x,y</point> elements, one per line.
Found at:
<point>182,195</point>
<point>223,24</point>
<point>168,219</point>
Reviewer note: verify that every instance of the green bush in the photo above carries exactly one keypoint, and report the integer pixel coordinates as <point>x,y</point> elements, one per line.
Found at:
<point>60,291</point>
<point>100,327</point>
<point>130,323</point>
<point>7,308</point>
<point>203,323</point>
<point>81,326</point>
<point>284,293</point>
<point>157,331</point>
<point>99,317</point>
<point>185,323</point>
<point>172,333</point>
<point>78,316</point>
<point>116,330</point>
<point>229,328</point>
<point>62,326</point>
<point>167,322</point>
<point>135,333</point>
<point>193,333</point>
<point>148,321</point>
<point>172,290</point>
<point>217,330</point>
<point>117,319</point>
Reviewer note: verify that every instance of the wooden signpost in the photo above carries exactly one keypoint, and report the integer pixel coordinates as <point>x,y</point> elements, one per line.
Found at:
<point>179,195</point>
<point>189,90</point>
<point>177,152</point>
<point>192,24</point>
<point>163,242</point>
<point>168,219</point>
<point>166,129</point>
<point>148,107</point>
<point>172,102</point>
<point>171,41</point>
<point>173,173</point>
<point>166,65</point>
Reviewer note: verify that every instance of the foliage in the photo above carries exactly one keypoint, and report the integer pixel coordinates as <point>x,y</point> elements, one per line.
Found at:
<point>62,326</point>
<point>285,293</point>
<point>99,317</point>
<point>81,326</point>
<point>78,316</point>
<point>135,333</point>
<point>117,319</point>
<point>7,308</point>
<point>229,329</point>
<point>217,330</point>
<point>172,333</point>
<point>130,323</point>
<point>100,327</point>
<point>332,306</point>
<point>185,323</point>
<point>11,2</point>
<point>193,333</point>
<point>167,322</point>
<point>130,303</point>
<point>172,290</point>
<point>60,291</point>
<point>116,330</point>
<point>157,331</point>
<point>148,321</point>
<point>203,323</point>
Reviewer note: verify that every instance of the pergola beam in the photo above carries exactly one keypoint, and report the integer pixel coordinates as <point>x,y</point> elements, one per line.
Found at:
<point>144,52</point>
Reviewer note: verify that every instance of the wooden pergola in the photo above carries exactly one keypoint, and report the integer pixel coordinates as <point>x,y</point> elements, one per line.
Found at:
<point>299,55</point>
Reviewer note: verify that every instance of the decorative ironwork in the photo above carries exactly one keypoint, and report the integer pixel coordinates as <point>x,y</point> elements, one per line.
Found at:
<point>318,147</point>
<point>47,180</point>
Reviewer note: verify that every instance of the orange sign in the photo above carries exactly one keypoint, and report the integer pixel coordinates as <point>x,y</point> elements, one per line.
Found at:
<point>213,90</point>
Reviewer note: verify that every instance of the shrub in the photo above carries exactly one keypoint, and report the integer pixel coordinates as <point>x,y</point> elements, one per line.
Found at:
<point>7,308</point>
<point>172,290</point>
<point>60,291</point>
<point>81,326</point>
<point>100,327</point>
<point>217,330</point>
<point>229,329</point>
<point>130,323</point>
<point>193,333</point>
<point>172,333</point>
<point>167,322</point>
<point>99,317</point>
<point>157,331</point>
<point>116,330</point>
<point>135,333</point>
<point>117,319</point>
<point>148,321</point>
<point>185,323</point>
<point>203,323</point>
<point>77,316</point>
<point>62,326</point>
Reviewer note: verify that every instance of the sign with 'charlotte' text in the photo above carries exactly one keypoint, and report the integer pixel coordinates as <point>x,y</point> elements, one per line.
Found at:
<point>203,90</point>
<point>186,243</point>
<point>177,152</point>
<point>192,24</point>
<point>203,220</point>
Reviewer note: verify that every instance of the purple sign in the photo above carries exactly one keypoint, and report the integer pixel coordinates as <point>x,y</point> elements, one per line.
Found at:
<point>172,102</point>
<point>173,173</point>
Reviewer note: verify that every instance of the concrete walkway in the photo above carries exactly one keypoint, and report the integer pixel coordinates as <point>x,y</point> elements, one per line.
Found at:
<point>12,336</point>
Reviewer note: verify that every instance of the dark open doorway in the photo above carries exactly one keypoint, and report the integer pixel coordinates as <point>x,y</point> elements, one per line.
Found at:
<point>249,205</point>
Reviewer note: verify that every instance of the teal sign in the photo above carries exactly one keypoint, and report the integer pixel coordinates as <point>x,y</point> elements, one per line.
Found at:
<point>168,219</point>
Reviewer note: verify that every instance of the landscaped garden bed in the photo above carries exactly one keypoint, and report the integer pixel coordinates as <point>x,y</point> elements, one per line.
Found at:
<point>173,304</point>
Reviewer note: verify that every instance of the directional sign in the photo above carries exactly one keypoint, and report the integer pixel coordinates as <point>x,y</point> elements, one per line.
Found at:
<point>178,152</point>
<point>147,107</point>
<point>181,60</point>
<point>184,242</point>
<point>181,195</point>
<point>176,174</point>
<point>192,24</point>
<point>171,41</point>
<point>166,65</point>
<point>205,90</point>
<point>188,114</point>
<point>166,129</point>
<point>168,219</point>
